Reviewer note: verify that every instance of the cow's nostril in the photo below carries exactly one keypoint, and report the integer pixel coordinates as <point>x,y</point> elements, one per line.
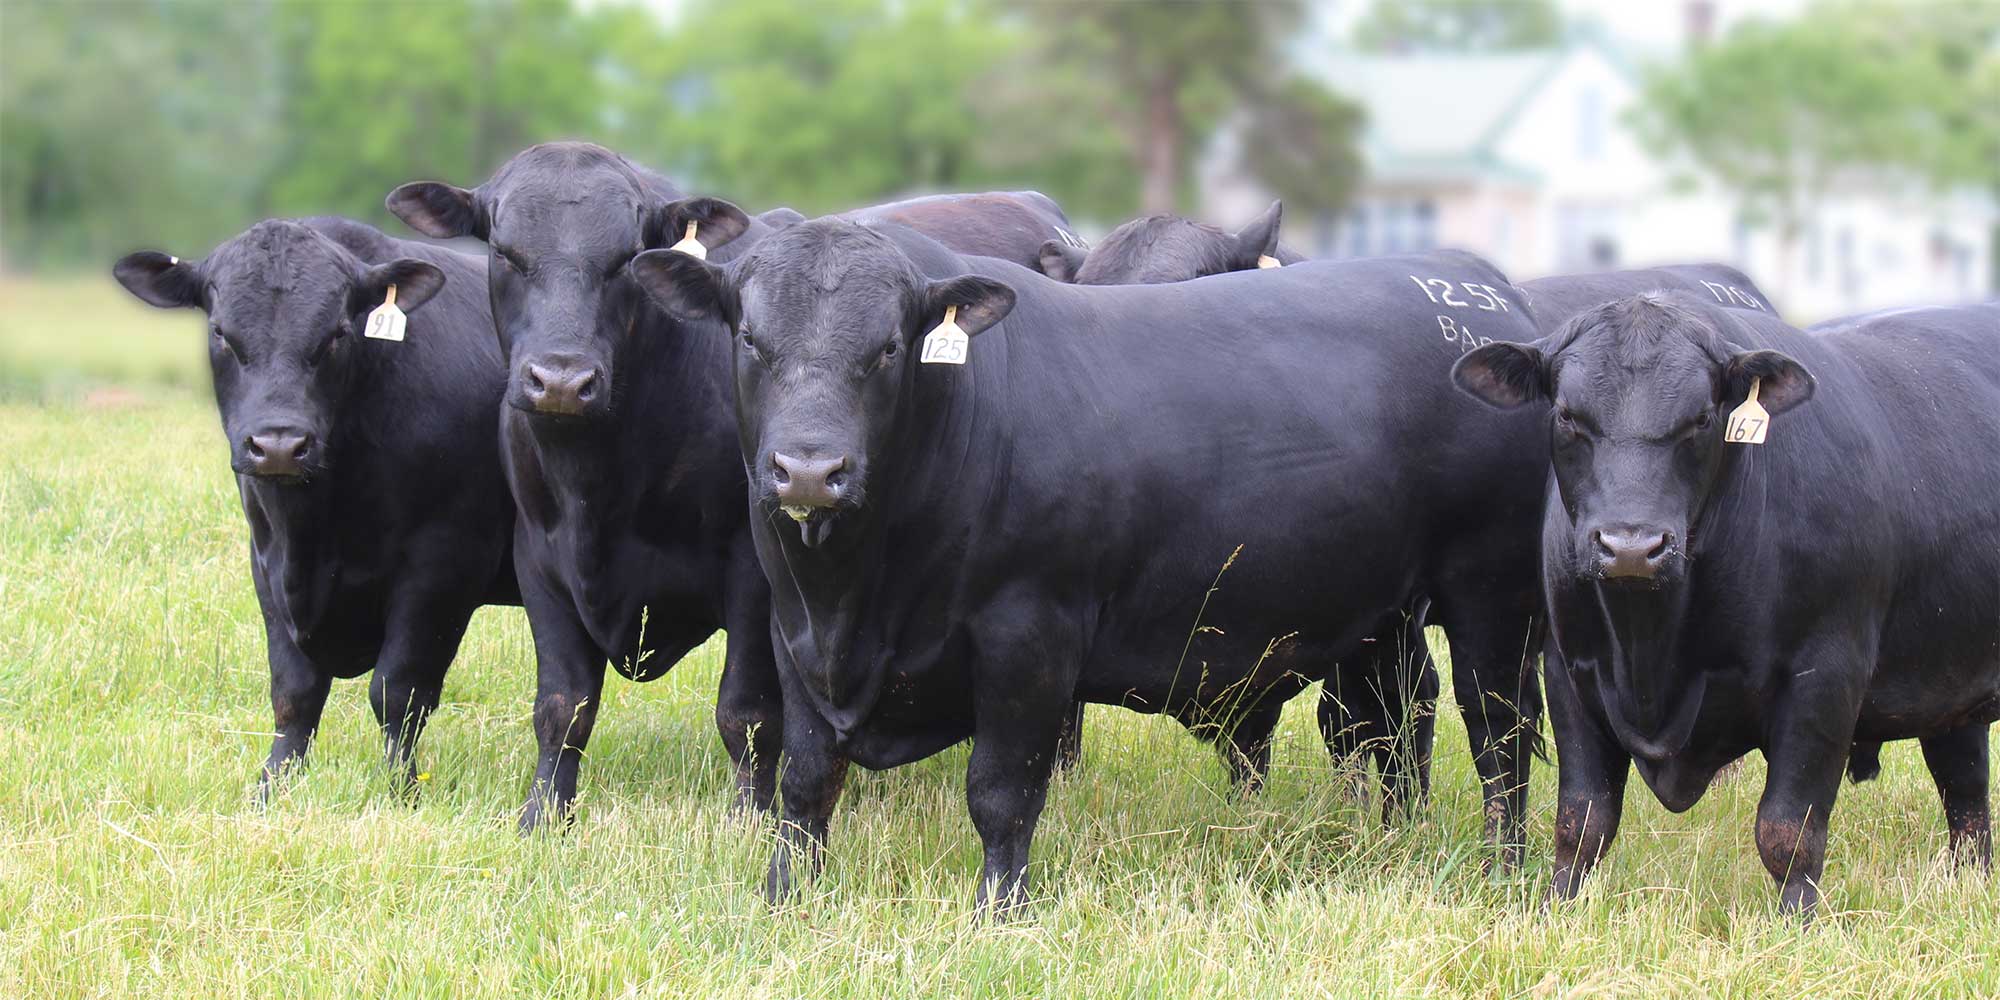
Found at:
<point>587,387</point>
<point>1660,549</point>
<point>304,447</point>
<point>1602,545</point>
<point>251,448</point>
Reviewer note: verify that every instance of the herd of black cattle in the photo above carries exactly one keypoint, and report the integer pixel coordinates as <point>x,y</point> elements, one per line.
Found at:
<point>940,471</point>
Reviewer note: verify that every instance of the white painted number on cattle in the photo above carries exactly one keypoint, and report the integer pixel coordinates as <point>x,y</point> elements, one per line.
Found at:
<point>1749,423</point>
<point>1730,295</point>
<point>946,344</point>
<point>1439,291</point>
<point>388,320</point>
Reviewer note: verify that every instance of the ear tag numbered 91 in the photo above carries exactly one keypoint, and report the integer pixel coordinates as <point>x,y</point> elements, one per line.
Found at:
<point>388,320</point>
<point>1748,423</point>
<point>691,246</point>
<point>946,344</point>
<point>1266,260</point>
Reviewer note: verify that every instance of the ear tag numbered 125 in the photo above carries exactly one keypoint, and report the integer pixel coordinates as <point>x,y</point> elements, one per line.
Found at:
<point>388,320</point>
<point>1748,423</point>
<point>1265,260</point>
<point>946,344</point>
<point>691,246</point>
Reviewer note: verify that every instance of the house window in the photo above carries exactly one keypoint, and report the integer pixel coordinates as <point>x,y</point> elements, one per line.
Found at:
<point>1388,226</point>
<point>1589,124</point>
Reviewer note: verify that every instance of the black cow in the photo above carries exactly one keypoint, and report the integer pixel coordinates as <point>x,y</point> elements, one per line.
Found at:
<point>369,469</point>
<point>1161,249</point>
<point>1179,498</point>
<point>633,542</point>
<point>1390,682</point>
<point>1837,581</point>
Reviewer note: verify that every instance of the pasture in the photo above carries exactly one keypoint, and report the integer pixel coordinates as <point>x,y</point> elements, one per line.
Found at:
<point>134,860</point>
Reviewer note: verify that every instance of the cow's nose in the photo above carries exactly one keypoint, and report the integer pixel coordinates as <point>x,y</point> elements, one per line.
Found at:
<point>560,386</point>
<point>280,453</point>
<point>807,482</point>
<point>1625,552</point>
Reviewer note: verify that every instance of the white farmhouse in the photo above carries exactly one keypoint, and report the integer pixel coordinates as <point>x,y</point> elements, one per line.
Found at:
<point>1528,159</point>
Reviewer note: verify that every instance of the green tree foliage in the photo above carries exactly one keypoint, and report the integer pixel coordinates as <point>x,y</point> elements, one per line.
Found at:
<point>174,123</point>
<point>378,94</point>
<point>1457,25</point>
<point>822,107</point>
<point>1779,112</point>
<point>1167,75</point>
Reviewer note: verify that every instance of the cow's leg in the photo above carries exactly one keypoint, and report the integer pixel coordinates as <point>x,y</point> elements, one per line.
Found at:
<point>298,697</point>
<point>1493,678</point>
<point>1959,764</point>
<point>1807,754</point>
<point>1385,705</point>
<point>1247,746</point>
<point>1864,761</point>
<point>1590,784</point>
<point>569,680</point>
<point>1070,750</point>
<point>409,676</point>
<point>1024,681</point>
<point>750,703</point>
<point>811,778</point>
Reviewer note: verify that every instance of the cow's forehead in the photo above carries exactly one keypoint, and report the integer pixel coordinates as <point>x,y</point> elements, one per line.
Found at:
<point>1640,373</point>
<point>1158,248</point>
<point>565,215</point>
<point>813,268</point>
<point>276,275</point>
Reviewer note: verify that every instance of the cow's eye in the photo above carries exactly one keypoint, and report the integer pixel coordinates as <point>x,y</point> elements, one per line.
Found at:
<point>511,259</point>
<point>222,340</point>
<point>1564,417</point>
<point>1703,419</point>
<point>889,351</point>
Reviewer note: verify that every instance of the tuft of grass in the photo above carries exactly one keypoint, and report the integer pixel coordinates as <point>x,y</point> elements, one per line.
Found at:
<point>133,860</point>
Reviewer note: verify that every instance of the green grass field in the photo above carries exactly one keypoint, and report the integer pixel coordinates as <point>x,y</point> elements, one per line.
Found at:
<point>133,860</point>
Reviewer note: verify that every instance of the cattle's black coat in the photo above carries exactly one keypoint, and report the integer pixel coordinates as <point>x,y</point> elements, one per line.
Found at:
<point>384,520</point>
<point>1835,583</point>
<point>1178,498</point>
<point>632,544</point>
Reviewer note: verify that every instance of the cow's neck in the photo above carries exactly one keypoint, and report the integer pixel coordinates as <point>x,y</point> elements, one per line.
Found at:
<point>668,440</point>
<point>841,608</point>
<point>1650,694</point>
<point>295,537</point>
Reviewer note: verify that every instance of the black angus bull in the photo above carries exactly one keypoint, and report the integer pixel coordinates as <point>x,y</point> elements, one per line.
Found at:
<point>369,469</point>
<point>1837,581</point>
<point>633,540</point>
<point>1353,714</point>
<point>1175,498</point>
<point>1390,681</point>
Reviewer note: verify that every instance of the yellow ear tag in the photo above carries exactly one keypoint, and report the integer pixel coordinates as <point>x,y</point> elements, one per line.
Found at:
<point>1266,260</point>
<point>387,321</point>
<point>1748,423</point>
<point>691,246</point>
<point>946,344</point>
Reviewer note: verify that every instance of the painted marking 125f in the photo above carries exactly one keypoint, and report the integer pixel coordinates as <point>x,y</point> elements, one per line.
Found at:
<point>1484,298</point>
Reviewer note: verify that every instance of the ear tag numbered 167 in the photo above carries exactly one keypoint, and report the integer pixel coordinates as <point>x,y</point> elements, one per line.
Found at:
<point>946,344</point>
<point>388,320</point>
<point>1748,423</point>
<point>691,246</point>
<point>1266,260</point>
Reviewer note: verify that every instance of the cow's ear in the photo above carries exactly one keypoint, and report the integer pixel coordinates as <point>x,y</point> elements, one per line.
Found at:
<point>415,280</point>
<point>1503,374</point>
<point>438,210</point>
<point>1061,261</point>
<point>716,223</point>
<point>981,302</point>
<point>686,287</point>
<point>159,279</point>
<point>1783,384</point>
<point>1260,238</point>
<point>780,218</point>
